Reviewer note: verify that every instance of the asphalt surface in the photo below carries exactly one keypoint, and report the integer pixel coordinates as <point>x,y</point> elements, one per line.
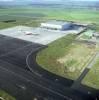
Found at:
<point>23,78</point>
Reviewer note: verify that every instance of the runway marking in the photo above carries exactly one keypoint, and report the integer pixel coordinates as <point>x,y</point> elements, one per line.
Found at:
<point>16,50</point>
<point>29,66</point>
<point>40,76</point>
<point>39,85</point>
<point>1,98</point>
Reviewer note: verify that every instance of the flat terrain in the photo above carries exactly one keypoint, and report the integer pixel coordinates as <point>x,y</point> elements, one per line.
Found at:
<point>70,59</point>
<point>87,35</point>
<point>16,76</point>
<point>33,16</point>
<point>62,57</point>
<point>6,96</point>
<point>77,58</point>
<point>92,78</point>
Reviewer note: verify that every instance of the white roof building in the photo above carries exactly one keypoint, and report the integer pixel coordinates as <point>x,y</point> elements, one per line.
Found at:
<point>56,25</point>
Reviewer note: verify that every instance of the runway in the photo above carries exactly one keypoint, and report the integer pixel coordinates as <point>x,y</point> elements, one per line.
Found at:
<point>23,78</point>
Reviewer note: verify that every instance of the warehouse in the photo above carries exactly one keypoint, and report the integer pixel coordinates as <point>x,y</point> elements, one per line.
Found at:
<point>56,25</point>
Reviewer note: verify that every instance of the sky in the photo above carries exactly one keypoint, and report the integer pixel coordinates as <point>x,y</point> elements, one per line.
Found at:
<point>38,1</point>
<point>44,0</point>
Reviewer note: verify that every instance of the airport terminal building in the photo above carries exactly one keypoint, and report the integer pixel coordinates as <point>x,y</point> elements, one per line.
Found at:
<point>56,25</point>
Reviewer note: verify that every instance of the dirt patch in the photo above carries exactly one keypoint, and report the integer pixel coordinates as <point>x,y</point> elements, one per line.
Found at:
<point>77,57</point>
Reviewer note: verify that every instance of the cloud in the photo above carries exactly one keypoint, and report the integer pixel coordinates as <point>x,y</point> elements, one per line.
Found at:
<point>42,0</point>
<point>6,0</point>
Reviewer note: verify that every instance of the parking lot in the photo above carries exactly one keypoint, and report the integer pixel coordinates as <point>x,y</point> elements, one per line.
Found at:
<point>37,35</point>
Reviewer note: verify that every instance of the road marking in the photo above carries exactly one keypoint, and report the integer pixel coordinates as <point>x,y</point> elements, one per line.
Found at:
<point>36,83</point>
<point>1,98</point>
<point>15,50</point>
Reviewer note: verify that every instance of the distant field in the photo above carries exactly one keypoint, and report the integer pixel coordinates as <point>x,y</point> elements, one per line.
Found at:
<point>6,21</point>
<point>25,14</point>
<point>57,13</point>
<point>65,58</point>
<point>92,78</point>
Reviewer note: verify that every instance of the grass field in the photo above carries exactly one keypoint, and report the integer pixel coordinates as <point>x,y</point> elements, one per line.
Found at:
<point>77,59</point>
<point>65,58</point>
<point>92,78</point>
<point>57,13</point>
<point>6,96</point>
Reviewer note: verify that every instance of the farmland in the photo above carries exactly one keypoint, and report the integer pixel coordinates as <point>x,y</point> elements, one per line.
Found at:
<point>34,15</point>
<point>70,59</point>
<point>63,57</point>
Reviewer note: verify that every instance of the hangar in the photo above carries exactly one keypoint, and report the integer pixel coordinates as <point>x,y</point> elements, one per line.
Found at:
<point>56,25</point>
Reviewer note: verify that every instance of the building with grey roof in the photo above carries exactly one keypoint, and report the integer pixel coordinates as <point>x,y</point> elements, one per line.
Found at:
<point>56,25</point>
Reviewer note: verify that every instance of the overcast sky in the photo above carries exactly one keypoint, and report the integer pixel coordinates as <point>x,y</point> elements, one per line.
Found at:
<point>45,0</point>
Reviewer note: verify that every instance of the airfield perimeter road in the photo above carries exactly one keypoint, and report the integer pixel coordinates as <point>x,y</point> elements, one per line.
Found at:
<point>17,78</point>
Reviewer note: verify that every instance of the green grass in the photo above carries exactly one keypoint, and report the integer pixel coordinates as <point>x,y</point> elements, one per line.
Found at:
<point>87,34</point>
<point>6,96</point>
<point>92,78</point>
<point>32,22</point>
<point>42,13</point>
<point>77,58</point>
<point>65,58</point>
